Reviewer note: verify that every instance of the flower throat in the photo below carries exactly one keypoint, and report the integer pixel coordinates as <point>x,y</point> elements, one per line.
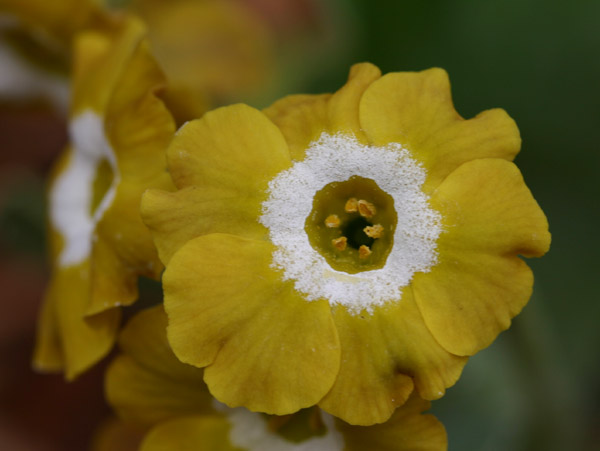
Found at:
<point>352,225</point>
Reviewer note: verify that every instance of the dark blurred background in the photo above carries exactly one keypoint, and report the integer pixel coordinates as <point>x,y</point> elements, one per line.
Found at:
<point>538,386</point>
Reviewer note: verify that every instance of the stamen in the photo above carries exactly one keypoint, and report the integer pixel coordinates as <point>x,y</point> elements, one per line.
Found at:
<point>364,252</point>
<point>351,205</point>
<point>332,221</point>
<point>375,231</point>
<point>366,209</point>
<point>340,243</point>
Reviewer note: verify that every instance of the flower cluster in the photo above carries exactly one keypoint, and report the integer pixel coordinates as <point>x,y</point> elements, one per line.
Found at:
<point>328,263</point>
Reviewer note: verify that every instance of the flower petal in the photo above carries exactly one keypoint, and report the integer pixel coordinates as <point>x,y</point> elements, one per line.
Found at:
<point>343,105</point>
<point>416,110</point>
<point>268,349</point>
<point>236,147</point>
<point>414,350</point>
<point>301,118</point>
<point>193,433</point>
<point>480,283</point>
<point>47,354</point>
<point>144,396</point>
<point>407,430</point>
<point>175,218</point>
<point>368,387</point>
<point>146,126</point>
<point>148,384</point>
<point>83,340</point>
<point>145,339</point>
<point>139,128</point>
<point>378,351</point>
<point>98,62</point>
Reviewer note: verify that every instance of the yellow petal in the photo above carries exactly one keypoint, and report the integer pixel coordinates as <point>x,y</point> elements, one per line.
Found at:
<point>139,129</point>
<point>301,118</point>
<point>266,347</point>
<point>47,354</point>
<point>148,384</point>
<point>414,350</point>
<point>193,433</point>
<point>235,147</point>
<point>84,340</point>
<point>486,206</point>
<point>139,126</point>
<point>407,430</point>
<point>368,387</point>
<point>145,339</point>
<point>122,250</point>
<point>98,61</point>
<point>117,435</point>
<point>113,283</point>
<point>143,395</point>
<point>379,351</point>
<point>415,109</point>
<point>480,283</point>
<point>175,218</point>
<point>343,105</point>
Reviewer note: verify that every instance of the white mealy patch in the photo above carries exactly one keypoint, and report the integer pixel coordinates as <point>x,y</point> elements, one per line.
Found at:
<point>72,192</point>
<point>249,431</point>
<point>336,159</point>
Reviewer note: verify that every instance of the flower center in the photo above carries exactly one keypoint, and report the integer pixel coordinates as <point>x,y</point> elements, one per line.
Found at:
<point>352,225</point>
<point>332,218</point>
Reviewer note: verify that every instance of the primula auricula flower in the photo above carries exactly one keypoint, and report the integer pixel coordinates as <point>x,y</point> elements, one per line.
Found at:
<point>345,249</point>
<point>149,386</point>
<point>119,130</point>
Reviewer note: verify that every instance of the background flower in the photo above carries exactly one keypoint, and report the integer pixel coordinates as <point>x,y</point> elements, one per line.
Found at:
<point>119,129</point>
<point>149,387</point>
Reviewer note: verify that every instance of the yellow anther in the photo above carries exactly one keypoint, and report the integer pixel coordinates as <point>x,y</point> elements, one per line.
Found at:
<point>364,252</point>
<point>340,243</point>
<point>332,221</point>
<point>366,209</point>
<point>351,205</point>
<point>374,231</point>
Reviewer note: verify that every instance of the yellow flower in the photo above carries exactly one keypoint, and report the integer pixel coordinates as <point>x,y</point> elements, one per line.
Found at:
<point>119,131</point>
<point>149,387</point>
<point>261,288</point>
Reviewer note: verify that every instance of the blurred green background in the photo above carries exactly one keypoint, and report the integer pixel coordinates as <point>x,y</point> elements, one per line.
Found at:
<point>538,386</point>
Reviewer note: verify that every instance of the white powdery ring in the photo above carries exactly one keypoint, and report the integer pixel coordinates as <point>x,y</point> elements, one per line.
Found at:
<point>335,159</point>
<point>71,193</point>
